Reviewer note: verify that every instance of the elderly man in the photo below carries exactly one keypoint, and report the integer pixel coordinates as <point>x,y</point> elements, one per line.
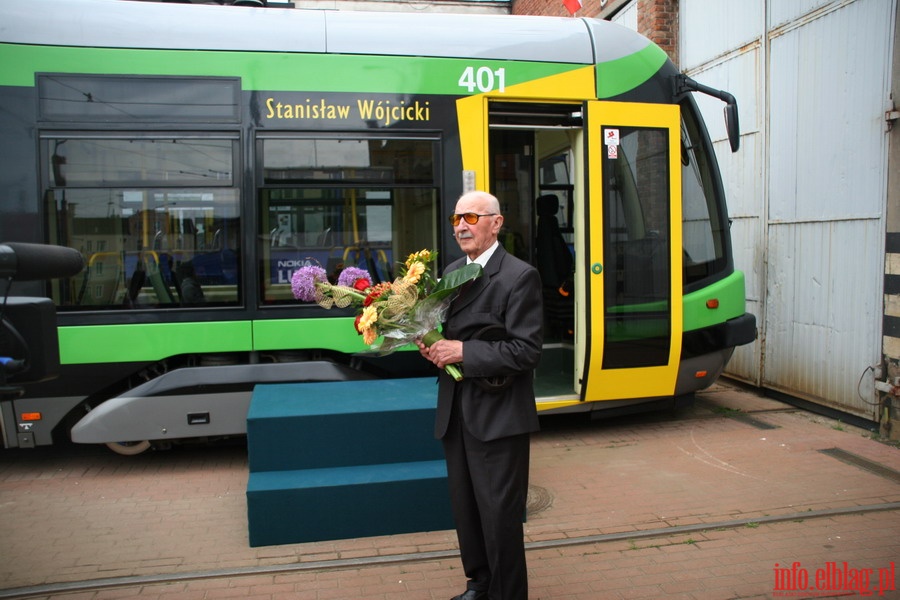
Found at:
<point>494,328</point>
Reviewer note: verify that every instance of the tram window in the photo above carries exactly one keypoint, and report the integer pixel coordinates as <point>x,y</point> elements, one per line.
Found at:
<point>86,162</point>
<point>703,234</point>
<point>394,161</point>
<point>335,203</point>
<point>555,179</point>
<point>105,98</point>
<point>152,237</point>
<point>637,270</point>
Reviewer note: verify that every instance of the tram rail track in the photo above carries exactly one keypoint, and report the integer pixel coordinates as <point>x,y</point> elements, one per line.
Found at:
<point>737,498</point>
<point>52,590</point>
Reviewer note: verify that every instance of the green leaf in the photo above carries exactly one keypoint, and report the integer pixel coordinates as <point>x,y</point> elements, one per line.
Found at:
<point>452,281</point>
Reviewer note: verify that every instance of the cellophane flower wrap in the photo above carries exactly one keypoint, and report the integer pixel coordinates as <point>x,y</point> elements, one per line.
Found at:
<point>390,314</point>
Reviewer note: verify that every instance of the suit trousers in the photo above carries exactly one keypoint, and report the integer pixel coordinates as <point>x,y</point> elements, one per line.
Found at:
<point>488,490</point>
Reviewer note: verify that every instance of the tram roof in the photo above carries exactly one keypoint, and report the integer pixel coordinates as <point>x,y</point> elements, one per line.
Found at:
<point>145,25</point>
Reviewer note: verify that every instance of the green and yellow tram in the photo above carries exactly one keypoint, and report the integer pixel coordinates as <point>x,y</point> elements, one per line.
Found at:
<point>197,155</point>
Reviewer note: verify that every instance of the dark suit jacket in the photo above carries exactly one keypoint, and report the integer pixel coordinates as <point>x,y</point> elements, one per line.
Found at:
<point>508,294</point>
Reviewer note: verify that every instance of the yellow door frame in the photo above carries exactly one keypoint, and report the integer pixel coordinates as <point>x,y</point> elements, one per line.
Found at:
<point>638,382</point>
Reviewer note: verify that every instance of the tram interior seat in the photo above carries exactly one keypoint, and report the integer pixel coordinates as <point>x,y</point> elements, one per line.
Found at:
<point>554,263</point>
<point>187,284</point>
<point>372,259</point>
<point>147,270</point>
<point>164,295</point>
<point>135,284</point>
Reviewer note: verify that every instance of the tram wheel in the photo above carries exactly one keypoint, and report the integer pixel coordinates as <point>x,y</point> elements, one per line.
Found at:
<point>129,448</point>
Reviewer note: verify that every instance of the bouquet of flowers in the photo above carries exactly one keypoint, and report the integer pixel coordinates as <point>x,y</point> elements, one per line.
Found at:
<point>398,312</point>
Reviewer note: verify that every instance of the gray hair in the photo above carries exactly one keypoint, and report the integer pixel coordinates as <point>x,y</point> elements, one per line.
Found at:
<point>493,205</point>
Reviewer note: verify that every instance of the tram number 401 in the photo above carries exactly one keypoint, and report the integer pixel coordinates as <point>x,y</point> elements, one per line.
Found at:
<point>483,79</point>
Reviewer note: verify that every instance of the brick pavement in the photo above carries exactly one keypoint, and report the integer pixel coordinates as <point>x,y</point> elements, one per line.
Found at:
<point>698,505</point>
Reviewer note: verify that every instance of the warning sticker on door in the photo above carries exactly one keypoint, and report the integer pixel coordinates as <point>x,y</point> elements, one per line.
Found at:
<point>611,137</point>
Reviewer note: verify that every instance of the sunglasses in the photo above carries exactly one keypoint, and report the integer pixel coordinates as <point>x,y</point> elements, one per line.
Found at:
<point>470,218</point>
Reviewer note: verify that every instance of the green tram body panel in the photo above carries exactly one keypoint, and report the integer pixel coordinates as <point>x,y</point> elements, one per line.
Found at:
<point>284,72</point>
<point>730,294</point>
<point>145,342</point>
<point>294,72</point>
<point>621,75</point>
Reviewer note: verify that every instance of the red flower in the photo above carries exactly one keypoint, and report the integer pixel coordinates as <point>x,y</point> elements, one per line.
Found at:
<point>362,284</point>
<point>356,322</point>
<point>377,291</point>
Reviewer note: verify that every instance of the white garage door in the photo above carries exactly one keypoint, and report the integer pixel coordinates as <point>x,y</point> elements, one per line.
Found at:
<point>807,189</point>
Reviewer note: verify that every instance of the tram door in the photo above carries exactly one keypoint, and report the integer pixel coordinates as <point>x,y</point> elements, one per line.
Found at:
<point>531,170</point>
<point>631,264</point>
<point>607,177</point>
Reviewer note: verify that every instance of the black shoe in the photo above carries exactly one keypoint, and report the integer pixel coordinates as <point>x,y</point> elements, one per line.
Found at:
<point>471,595</point>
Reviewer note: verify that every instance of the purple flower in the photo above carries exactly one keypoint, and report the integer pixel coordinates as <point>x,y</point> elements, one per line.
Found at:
<point>304,280</point>
<point>350,275</point>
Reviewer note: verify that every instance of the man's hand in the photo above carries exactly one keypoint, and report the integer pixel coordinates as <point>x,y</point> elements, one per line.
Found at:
<point>442,352</point>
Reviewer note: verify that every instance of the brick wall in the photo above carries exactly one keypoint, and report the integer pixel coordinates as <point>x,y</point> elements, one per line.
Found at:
<point>658,20</point>
<point>547,8</point>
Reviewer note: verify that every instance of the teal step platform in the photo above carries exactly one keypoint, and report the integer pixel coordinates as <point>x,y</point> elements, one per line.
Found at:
<point>287,507</point>
<point>342,423</point>
<point>337,460</point>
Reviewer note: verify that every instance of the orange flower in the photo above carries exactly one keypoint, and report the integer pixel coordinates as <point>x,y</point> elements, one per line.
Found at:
<point>422,256</point>
<point>414,273</point>
<point>367,319</point>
